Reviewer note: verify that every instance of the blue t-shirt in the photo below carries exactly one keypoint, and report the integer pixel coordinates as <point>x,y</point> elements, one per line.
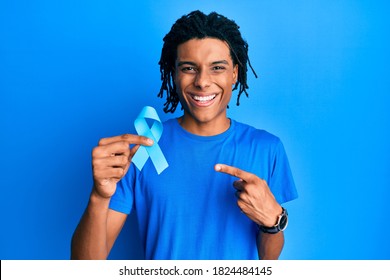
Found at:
<point>190,211</point>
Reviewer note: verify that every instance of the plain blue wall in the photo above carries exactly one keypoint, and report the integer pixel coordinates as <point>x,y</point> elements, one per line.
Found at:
<point>72,72</point>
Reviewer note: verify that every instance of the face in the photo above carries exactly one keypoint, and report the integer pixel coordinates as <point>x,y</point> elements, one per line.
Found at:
<point>204,76</point>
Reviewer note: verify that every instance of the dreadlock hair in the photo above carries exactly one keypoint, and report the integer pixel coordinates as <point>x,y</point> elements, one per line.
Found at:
<point>198,25</point>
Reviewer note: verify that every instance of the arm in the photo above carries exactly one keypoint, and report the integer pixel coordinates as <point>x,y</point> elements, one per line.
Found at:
<point>270,246</point>
<point>256,200</point>
<point>99,227</point>
<point>97,230</point>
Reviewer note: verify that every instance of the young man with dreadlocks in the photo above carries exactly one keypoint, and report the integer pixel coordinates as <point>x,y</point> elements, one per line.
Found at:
<point>221,196</point>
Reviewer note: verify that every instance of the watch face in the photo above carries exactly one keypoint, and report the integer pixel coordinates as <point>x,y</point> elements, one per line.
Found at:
<point>281,225</point>
<point>283,222</point>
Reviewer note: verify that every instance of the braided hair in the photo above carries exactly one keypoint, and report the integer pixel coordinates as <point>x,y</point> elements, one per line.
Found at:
<point>198,25</point>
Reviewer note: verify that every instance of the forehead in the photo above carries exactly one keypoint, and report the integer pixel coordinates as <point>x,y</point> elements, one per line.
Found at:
<point>204,49</point>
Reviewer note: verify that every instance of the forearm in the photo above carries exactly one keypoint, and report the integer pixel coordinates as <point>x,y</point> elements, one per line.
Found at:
<point>90,238</point>
<point>270,245</point>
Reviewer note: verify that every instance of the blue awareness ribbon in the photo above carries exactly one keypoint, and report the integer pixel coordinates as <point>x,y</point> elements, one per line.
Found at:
<point>154,132</point>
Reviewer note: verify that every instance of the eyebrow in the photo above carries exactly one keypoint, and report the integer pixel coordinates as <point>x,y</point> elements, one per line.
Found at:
<point>180,63</point>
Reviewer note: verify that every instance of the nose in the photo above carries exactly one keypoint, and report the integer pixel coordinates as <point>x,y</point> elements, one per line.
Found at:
<point>202,79</point>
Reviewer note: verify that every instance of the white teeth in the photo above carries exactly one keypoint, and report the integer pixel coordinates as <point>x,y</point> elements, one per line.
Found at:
<point>203,98</point>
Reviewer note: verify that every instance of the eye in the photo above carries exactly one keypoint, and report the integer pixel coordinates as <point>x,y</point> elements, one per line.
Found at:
<point>188,69</point>
<point>218,68</point>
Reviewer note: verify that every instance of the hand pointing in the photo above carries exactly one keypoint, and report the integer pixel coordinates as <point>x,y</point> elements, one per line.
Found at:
<point>255,199</point>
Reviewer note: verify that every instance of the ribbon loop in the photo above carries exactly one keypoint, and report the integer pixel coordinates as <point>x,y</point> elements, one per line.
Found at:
<point>154,132</point>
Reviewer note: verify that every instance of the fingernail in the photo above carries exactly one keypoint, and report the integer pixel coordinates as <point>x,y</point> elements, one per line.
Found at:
<point>217,167</point>
<point>150,141</point>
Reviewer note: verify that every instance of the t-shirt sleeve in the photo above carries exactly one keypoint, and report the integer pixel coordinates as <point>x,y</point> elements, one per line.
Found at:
<point>281,182</point>
<point>123,199</point>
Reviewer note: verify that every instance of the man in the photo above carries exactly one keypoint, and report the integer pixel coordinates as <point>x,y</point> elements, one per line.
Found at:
<point>220,197</point>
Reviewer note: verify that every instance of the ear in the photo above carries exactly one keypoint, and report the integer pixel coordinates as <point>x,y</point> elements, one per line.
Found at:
<point>235,74</point>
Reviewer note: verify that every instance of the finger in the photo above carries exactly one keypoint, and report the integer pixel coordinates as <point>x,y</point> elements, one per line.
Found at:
<point>238,194</point>
<point>113,149</point>
<point>129,138</point>
<point>107,163</point>
<point>239,185</point>
<point>118,161</point>
<point>109,173</point>
<point>133,151</point>
<point>234,171</point>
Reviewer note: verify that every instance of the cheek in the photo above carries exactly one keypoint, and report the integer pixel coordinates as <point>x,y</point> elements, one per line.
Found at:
<point>225,83</point>
<point>182,82</point>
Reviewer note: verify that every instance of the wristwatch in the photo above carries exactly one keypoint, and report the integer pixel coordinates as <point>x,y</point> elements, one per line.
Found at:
<point>280,225</point>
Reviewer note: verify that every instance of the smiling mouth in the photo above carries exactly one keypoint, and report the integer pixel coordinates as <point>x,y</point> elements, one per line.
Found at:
<point>203,99</point>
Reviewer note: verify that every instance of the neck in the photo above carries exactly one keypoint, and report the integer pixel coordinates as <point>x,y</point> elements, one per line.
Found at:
<point>211,128</point>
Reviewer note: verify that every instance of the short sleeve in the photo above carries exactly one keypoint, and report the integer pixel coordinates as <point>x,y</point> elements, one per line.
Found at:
<point>123,199</point>
<point>281,182</point>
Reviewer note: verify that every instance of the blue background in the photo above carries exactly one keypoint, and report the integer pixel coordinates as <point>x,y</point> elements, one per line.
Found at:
<point>72,72</point>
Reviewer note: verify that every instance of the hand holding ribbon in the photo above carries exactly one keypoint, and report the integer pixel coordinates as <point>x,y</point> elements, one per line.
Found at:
<point>154,132</point>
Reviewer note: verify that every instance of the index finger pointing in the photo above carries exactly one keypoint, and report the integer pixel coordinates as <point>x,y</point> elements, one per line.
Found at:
<point>234,171</point>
